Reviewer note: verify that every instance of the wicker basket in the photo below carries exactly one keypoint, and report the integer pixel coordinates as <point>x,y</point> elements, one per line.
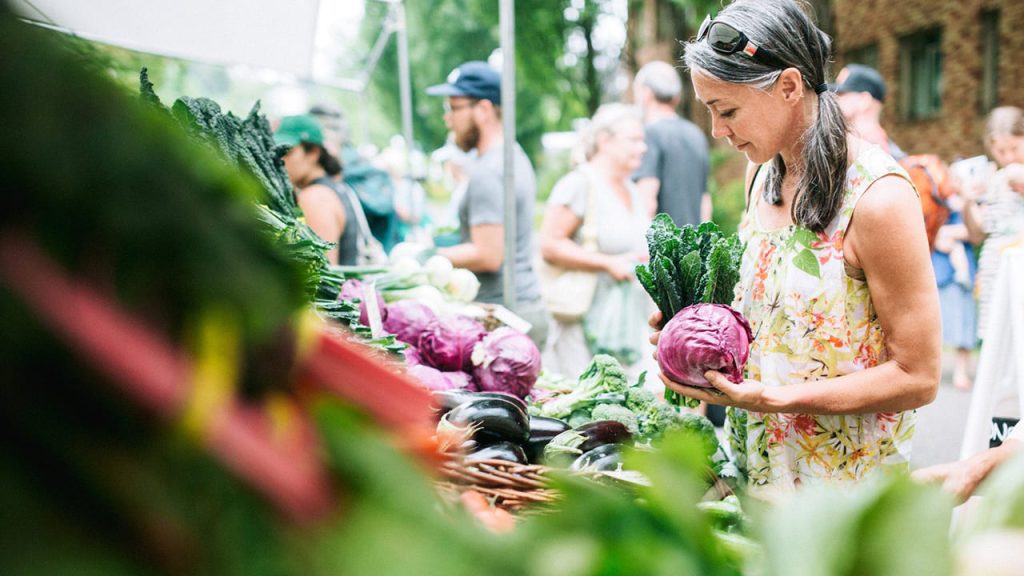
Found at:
<point>522,488</point>
<point>512,486</point>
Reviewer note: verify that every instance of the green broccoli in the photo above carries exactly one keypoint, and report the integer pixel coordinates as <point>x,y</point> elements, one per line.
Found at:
<point>579,417</point>
<point>604,375</point>
<point>702,430</point>
<point>658,417</point>
<point>617,413</point>
<point>638,399</point>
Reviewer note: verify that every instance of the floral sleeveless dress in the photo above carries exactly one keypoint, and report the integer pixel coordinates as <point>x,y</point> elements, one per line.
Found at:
<point>812,319</point>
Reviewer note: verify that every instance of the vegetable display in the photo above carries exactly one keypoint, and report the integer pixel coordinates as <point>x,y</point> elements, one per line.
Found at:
<point>407,319</point>
<point>447,343</point>
<point>506,361</point>
<point>353,289</point>
<point>704,337</point>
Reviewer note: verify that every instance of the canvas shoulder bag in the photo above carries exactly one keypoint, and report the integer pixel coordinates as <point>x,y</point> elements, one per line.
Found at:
<point>568,294</point>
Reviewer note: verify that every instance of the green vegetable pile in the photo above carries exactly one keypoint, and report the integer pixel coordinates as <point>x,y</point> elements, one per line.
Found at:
<point>689,266</point>
<point>604,392</point>
<point>248,144</point>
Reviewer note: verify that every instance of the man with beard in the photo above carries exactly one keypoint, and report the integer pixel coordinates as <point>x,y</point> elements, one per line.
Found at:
<point>473,114</point>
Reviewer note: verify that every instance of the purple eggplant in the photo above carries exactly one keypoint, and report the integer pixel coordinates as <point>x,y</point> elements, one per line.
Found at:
<point>503,450</point>
<point>604,458</point>
<point>446,400</point>
<point>571,444</point>
<point>542,430</point>
<point>489,420</point>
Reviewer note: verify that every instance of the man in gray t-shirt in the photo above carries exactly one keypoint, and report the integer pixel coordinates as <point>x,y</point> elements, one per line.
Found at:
<point>473,114</point>
<point>674,173</point>
<point>484,204</point>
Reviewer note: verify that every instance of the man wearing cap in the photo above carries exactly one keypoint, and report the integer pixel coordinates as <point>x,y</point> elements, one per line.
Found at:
<point>861,92</point>
<point>473,115</point>
<point>673,175</point>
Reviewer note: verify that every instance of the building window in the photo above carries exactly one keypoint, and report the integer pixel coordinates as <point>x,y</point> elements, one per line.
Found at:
<point>921,74</point>
<point>989,96</point>
<point>866,55</point>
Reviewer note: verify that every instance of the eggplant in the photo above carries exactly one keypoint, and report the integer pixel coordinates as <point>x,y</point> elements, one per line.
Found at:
<point>489,420</point>
<point>571,444</point>
<point>604,458</point>
<point>542,430</point>
<point>503,450</point>
<point>446,400</point>
<point>502,395</point>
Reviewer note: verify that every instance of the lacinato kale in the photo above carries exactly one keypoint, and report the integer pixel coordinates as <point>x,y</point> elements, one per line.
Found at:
<point>689,265</point>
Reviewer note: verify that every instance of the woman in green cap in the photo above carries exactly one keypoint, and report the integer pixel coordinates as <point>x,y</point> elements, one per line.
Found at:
<point>311,169</point>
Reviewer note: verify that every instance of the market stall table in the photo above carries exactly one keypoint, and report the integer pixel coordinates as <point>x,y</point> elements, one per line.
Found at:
<point>1001,363</point>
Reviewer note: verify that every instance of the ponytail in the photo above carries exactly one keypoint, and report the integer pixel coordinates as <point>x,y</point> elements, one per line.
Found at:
<point>823,182</point>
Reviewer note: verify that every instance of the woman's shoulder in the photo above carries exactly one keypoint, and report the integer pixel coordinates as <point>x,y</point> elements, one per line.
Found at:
<point>320,195</point>
<point>571,185</point>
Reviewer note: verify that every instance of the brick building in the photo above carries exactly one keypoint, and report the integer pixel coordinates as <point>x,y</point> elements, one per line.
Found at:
<point>947,63</point>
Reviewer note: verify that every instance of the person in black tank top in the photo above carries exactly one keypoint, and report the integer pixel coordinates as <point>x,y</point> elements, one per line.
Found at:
<point>311,169</point>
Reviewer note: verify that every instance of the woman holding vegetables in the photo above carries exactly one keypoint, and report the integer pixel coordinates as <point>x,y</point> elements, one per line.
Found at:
<point>835,279</point>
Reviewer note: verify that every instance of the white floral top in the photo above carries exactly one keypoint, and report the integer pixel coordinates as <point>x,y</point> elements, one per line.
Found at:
<point>812,319</point>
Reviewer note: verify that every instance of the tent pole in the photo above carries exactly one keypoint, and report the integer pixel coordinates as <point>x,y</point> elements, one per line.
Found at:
<point>508,115</point>
<point>405,86</point>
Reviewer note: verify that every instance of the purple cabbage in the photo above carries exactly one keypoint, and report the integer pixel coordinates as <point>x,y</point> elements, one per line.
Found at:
<point>352,289</point>
<point>412,356</point>
<point>407,319</point>
<point>704,337</point>
<point>447,343</point>
<point>506,361</point>
<point>434,379</point>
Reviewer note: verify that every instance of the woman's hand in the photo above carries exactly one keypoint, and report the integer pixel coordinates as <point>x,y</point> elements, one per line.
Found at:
<point>655,322</point>
<point>620,268</point>
<point>748,395</point>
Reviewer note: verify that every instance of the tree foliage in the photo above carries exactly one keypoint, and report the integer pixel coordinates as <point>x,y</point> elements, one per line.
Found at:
<point>444,33</point>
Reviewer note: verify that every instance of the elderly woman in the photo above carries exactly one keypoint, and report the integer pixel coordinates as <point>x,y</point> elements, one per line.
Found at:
<point>598,201</point>
<point>836,279</point>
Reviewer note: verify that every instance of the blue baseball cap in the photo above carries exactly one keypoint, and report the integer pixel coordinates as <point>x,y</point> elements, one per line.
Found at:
<point>473,80</point>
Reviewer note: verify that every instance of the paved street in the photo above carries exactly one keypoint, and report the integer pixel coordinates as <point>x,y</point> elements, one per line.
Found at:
<point>940,425</point>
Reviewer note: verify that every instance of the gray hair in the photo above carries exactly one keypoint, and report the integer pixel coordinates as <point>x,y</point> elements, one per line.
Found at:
<point>607,119</point>
<point>662,79</point>
<point>785,28</point>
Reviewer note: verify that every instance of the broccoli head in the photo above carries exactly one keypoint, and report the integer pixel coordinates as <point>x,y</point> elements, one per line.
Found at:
<point>579,417</point>
<point>604,375</point>
<point>617,413</point>
<point>702,430</point>
<point>658,417</point>
<point>638,399</point>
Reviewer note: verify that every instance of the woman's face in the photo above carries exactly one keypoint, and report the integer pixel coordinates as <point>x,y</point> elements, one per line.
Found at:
<point>624,144</point>
<point>759,123</point>
<point>299,164</point>
<point>1007,149</point>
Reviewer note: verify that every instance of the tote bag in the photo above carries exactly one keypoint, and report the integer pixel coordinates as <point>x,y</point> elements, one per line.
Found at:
<point>568,294</point>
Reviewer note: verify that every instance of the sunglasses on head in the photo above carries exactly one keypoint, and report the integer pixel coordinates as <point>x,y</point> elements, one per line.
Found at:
<point>725,39</point>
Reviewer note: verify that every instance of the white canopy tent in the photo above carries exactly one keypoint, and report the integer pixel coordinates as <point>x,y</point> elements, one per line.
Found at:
<point>261,34</point>
<point>273,35</point>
